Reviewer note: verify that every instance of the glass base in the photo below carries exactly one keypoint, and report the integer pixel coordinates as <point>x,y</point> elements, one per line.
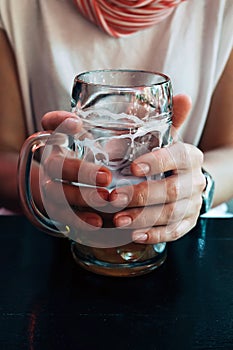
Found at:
<point>126,261</point>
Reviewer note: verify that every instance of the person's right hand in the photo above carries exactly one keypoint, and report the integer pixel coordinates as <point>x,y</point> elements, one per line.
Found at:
<point>63,198</point>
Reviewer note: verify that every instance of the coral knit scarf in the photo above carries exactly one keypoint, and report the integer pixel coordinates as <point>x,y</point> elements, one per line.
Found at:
<point>123,17</point>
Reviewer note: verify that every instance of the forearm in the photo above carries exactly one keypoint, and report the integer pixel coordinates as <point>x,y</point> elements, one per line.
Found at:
<point>219,163</point>
<point>9,197</point>
<point>8,181</point>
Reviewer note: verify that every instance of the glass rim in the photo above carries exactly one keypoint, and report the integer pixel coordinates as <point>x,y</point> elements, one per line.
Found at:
<point>80,78</point>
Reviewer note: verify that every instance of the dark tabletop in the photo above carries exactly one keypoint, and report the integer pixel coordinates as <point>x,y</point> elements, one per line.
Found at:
<point>48,302</point>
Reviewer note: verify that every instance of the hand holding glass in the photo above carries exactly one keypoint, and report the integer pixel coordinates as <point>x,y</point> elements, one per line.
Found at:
<point>125,114</point>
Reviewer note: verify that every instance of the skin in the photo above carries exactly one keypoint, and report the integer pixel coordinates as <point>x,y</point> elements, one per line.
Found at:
<point>172,206</point>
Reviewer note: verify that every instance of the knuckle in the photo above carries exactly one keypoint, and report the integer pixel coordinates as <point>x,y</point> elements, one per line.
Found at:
<point>176,233</point>
<point>199,182</point>
<point>173,190</point>
<point>160,160</point>
<point>159,237</point>
<point>155,235</point>
<point>190,154</point>
<point>141,200</point>
<point>181,228</point>
<point>202,182</point>
<point>198,157</point>
<point>170,210</point>
<point>140,196</point>
<point>184,155</point>
<point>161,164</point>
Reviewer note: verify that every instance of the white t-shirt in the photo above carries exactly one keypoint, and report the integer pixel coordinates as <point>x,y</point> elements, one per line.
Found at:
<point>53,43</point>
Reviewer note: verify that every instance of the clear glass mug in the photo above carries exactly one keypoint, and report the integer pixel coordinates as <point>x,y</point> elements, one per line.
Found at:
<point>125,114</point>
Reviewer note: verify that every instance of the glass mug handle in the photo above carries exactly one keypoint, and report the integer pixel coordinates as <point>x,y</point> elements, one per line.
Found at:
<point>30,146</point>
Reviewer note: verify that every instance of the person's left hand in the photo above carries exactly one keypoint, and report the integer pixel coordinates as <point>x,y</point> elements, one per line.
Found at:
<point>166,209</point>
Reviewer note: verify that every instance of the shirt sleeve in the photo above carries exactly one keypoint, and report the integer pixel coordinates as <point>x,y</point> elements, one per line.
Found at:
<point>226,38</point>
<point>1,23</point>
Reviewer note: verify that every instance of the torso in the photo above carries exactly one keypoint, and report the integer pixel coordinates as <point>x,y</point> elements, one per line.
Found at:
<point>53,43</point>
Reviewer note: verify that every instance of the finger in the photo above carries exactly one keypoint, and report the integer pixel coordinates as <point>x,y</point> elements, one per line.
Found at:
<point>182,105</point>
<point>178,156</point>
<point>166,233</point>
<point>78,221</point>
<point>66,122</point>
<point>158,215</point>
<point>70,195</point>
<point>167,190</point>
<point>75,170</point>
<point>150,193</point>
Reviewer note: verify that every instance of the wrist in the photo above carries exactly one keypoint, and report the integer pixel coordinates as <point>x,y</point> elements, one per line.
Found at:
<point>208,193</point>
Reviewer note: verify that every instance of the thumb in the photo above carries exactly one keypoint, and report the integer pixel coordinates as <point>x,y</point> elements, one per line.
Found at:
<point>181,107</point>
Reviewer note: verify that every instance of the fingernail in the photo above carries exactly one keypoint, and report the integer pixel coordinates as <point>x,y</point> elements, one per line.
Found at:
<point>142,168</point>
<point>102,178</point>
<point>139,237</point>
<point>72,123</point>
<point>123,221</point>
<point>93,222</point>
